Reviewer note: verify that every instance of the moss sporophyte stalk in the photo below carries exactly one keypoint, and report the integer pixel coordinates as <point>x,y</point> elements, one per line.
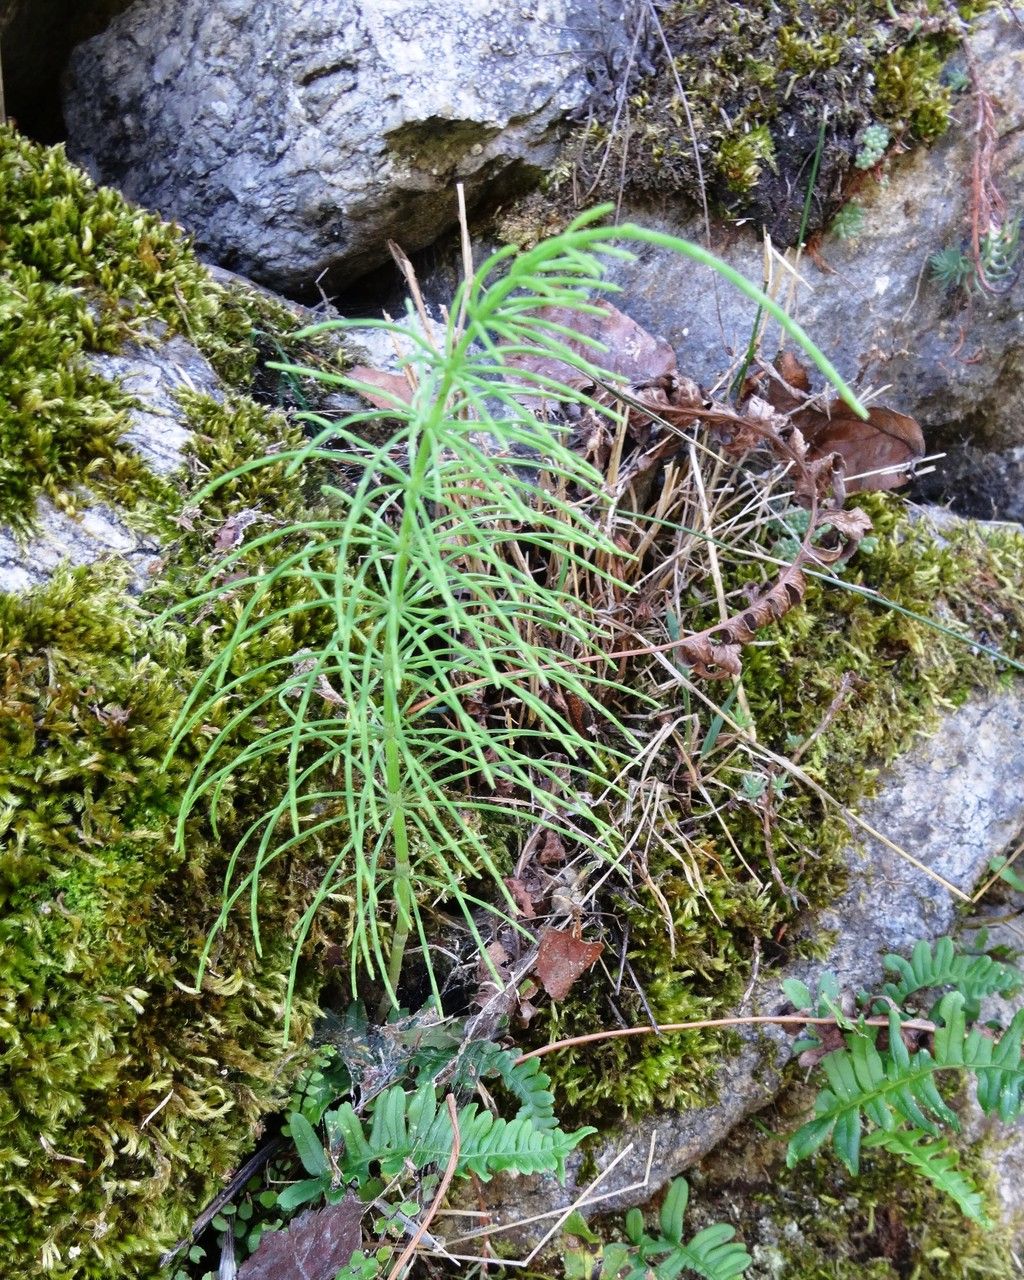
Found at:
<point>128,1096</point>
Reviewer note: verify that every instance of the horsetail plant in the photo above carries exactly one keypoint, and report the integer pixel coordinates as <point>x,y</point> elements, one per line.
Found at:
<point>458,653</point>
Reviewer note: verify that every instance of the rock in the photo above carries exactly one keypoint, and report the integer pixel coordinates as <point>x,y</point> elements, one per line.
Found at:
<point>870,302</point>
<point>953,803</point>
<point>981,483</point>
<point>294,137</point>
<point>157,430</point>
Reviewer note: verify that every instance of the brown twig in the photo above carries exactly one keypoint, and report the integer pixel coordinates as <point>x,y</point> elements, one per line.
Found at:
<point>442,1191</point>
<point>252,1166</point>
<point>845,685</point>
<point>782,1020</point>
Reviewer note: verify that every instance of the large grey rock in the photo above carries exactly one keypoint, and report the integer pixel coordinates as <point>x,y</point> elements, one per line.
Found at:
<point>953,803</point>
<point>295,137</point>
<point>870,303</point>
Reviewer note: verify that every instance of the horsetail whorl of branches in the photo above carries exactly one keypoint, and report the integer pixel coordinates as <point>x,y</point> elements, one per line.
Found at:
<point>443,572</point>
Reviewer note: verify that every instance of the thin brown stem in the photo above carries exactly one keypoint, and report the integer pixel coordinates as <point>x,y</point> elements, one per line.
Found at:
<point>442,1191</point>
<point>782,1020</point>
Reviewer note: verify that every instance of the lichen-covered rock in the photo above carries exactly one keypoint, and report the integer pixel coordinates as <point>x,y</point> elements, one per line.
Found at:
<point>953,803</point>
<point>295,138</point>
<point>767,108</point>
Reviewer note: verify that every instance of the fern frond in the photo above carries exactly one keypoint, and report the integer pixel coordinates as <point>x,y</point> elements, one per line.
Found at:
<point>712,1253</point>
<point>899,1087</point>
<point>411,1129</point>
<point>478,1059</point>
<point>937,1161</point>
<point>941,965</point>
<point>532,1086</point>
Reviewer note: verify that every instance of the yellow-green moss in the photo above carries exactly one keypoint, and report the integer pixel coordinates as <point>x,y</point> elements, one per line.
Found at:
<point>125,1098</point>
<point>103,919</point>
<point>905,673</point>
<point>82,271</point>
<point>759,80</point>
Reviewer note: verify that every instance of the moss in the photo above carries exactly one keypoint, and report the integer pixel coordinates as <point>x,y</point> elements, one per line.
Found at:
<point>102,920</point>
<point>83,272</point>
<point>904,673</point>
<point>104,916</point>
<point>766,77</point>
<point>908,87</point>
<point>127,1097</point>
<point>739,159</point>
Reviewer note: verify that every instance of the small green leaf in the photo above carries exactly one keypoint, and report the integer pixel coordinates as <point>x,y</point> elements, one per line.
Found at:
<point>576,1225</point>
<point>308,1145</point>
<point>797,993</point>
<point>807,1139</point>
<point>300,1193</point>
<point>673,1210</point>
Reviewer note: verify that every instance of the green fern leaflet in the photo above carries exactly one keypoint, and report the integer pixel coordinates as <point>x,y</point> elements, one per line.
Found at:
<point>896,1092</point>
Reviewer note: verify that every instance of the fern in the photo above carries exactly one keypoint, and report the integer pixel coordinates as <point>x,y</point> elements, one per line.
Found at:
<point>411,1128</point>
<point>935,1160</point>
<point>712,1253</point>
<point>896,1091</point>
<point>461,1066</point>
<point>932,967</point>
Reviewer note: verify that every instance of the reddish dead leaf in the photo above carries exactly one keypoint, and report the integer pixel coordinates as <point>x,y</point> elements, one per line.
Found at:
<point>552,850</point>
<point>630,350</point>
<point>111,714</point>
<point>521,894</point>
<point>393,386</point>
<point>561,959</point>
<point>231,532</point>
<point>793,372</point>
<point>315,1246</point>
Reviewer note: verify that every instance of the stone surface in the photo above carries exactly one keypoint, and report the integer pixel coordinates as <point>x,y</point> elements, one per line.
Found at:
<point>153,374</point>
<point>294,137</point>
<point>870,303</point>
<point>953,803</point>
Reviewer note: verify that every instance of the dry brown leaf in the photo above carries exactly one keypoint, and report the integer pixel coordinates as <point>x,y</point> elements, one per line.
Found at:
<point>521,894</point>
<point>630,350</point>
<point>885,439</point>
<point>314,1246</point>
<point>552,850</point>
<point>231,532</point>
<point>394,386</point>
<point>561,959</point>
